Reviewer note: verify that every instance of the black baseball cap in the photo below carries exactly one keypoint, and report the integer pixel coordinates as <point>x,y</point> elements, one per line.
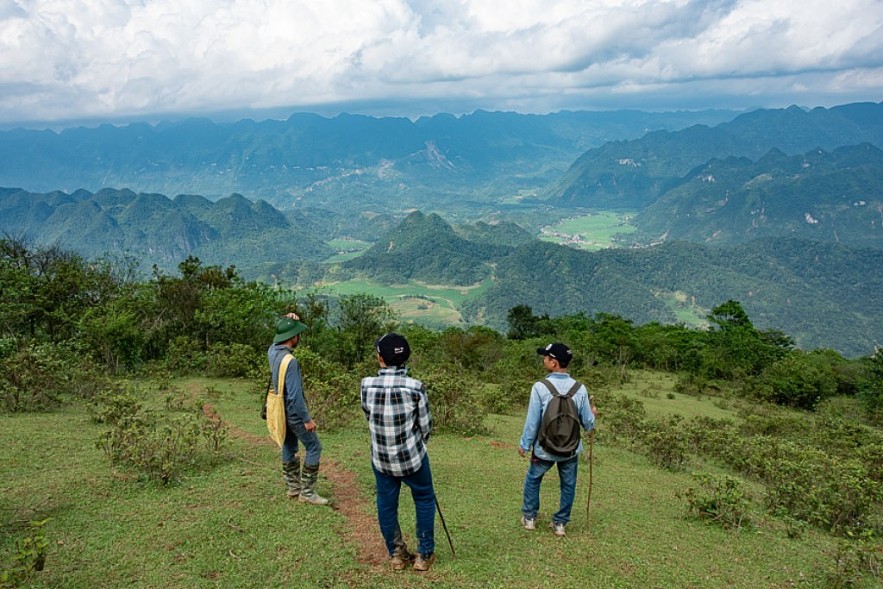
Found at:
<point>393,348</point>
<point>558,351</point>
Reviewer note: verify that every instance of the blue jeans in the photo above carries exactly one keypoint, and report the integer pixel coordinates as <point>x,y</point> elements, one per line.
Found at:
<point>297,432</point>
<point>567,476</point>
<point>388,489</point>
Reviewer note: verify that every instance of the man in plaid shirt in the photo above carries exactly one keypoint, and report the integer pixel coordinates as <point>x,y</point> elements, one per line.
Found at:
<point>400,423</point>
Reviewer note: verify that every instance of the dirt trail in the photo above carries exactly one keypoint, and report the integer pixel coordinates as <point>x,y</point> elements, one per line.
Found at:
<point>361,527</point>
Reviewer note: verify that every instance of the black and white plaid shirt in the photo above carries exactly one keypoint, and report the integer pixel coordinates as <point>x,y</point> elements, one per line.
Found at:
<point>399,420</point>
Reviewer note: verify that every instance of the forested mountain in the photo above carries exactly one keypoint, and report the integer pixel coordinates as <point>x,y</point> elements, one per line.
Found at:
<point>633,174</point>
<point>501,233</point>
<point>835,196</point>
<point>155,229</point>
<point>823,295</point>
<point>426,248</point>
<point>381,163</point>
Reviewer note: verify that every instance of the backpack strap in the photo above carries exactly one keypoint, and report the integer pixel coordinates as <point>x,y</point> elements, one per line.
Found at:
<point>568,395</point>
<point>283,369</point>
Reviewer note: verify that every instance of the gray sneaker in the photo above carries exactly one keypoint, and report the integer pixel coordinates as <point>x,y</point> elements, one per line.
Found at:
<point>528,524</point>
<point>557,528</point>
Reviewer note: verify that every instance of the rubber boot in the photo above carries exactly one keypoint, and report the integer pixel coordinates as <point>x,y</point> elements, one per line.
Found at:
<point>291,474</point>
<point>308,493</point>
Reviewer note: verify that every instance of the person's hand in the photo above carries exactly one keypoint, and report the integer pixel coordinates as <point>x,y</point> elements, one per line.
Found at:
<point>592,406</point>
<point>521,452</point>
<point>310,426</point>
<point>292,316</point>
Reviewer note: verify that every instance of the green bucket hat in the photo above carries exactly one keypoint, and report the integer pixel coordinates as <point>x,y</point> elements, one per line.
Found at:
<point>287,328</point>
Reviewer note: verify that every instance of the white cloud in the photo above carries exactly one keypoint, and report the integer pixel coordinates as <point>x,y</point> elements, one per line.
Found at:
<point>112,58</point>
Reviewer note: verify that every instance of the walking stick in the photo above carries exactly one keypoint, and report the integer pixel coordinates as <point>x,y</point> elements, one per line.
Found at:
<point>445,526</point>
<point>591,462</point>
<point>589,498</point>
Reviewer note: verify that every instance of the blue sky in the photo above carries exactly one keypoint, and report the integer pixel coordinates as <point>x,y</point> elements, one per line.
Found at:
<point>115,60</point>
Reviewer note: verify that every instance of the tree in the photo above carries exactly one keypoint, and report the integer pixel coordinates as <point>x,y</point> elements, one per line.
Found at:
<point>871,391</point>
<point>362,319</point>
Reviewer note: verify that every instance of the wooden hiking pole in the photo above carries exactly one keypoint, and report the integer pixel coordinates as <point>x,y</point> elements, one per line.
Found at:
<point>591,460</point>
<point>589,497</point>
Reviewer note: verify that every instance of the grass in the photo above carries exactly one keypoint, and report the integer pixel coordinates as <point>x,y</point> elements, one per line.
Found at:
<point>231,525</point>
<point>417,301</point>
<point>592,232</point>
<point>346,248</point>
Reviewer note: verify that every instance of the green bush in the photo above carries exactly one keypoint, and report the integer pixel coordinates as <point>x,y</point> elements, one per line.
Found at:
<point>666,442</point>
<point>157,446</point>
<point>30,556</point>
<point>853,562</point>
<point>456,401</point>
<point>719,499</point>
<point>233,361</point>
<point>623,418</point>
<point>332,392</point>
<point>35,378</point>
<point>184,355</point>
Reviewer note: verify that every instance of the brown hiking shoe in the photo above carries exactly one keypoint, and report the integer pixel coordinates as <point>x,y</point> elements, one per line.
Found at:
<point>423,563</point>
<point>400,560</point>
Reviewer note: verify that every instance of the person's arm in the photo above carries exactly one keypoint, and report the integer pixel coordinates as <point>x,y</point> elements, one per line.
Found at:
<point>531,422</point>
<point>294,390</point>
<point>587,412</point>
<point>424,416</point>
<point>364,396</point>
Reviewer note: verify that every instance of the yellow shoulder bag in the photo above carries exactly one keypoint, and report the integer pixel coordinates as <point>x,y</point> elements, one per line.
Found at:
<point>276,423</point>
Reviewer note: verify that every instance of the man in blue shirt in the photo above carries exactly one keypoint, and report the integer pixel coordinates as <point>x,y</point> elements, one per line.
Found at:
<point>556,358</point>
<point>300,427</point>
<point>400,423</point>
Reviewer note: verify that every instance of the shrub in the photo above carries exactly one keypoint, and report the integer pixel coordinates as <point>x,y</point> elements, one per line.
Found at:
<point>332,392</point>
<point>456,401</point>
<point>719,499</point>
<point>853,562</point>
<point>185,355</point>
<point>623,418</point>
<point>30,556</point>
<point>666,442</point>
<point>33,378</point>
<point>233,361</point>
<point>157,446</point>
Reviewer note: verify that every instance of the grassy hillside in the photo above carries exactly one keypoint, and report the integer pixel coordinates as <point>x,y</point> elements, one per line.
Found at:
<point>231,526</point>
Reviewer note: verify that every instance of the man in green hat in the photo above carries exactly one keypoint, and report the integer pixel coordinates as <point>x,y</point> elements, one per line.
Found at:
<point>300,427</point>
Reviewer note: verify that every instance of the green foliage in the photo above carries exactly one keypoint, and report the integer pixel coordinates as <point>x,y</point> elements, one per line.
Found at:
<point>624,418</point>
<point>362,319</point>
<point>458,401</point>
<point>32,379</point>
<point>719,499</point>
<point>798,380</point>
<point>871,393</point>
<point>332,393</point>
<point>665,441</point>
<point>158,447</point>
<point>233,360</point>
<point>854,561</point>
<point>39,377</point>
<point>30,556</point>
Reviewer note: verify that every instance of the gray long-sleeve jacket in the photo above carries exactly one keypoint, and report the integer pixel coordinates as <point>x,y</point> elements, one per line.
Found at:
<point>296,411</point>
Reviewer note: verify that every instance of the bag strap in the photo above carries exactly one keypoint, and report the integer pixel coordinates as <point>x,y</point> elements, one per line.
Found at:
<point>569,394</point>
<point>283,368</point>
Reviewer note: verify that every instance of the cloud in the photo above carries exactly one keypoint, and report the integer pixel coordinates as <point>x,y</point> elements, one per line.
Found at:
<point>63,59</point>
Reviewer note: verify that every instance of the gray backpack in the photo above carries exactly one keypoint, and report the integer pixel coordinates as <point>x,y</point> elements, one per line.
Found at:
<point>560,428</point>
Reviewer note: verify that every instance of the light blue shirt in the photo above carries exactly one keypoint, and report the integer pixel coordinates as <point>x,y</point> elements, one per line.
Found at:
<point>539,398</point>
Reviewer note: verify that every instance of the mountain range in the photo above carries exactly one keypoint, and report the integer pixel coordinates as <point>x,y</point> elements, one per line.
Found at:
<point>779,209</point>
<point>632,174</point>
<point>308,160</point>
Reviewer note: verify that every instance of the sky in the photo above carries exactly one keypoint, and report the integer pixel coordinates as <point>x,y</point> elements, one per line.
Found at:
<point>119,60</point>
